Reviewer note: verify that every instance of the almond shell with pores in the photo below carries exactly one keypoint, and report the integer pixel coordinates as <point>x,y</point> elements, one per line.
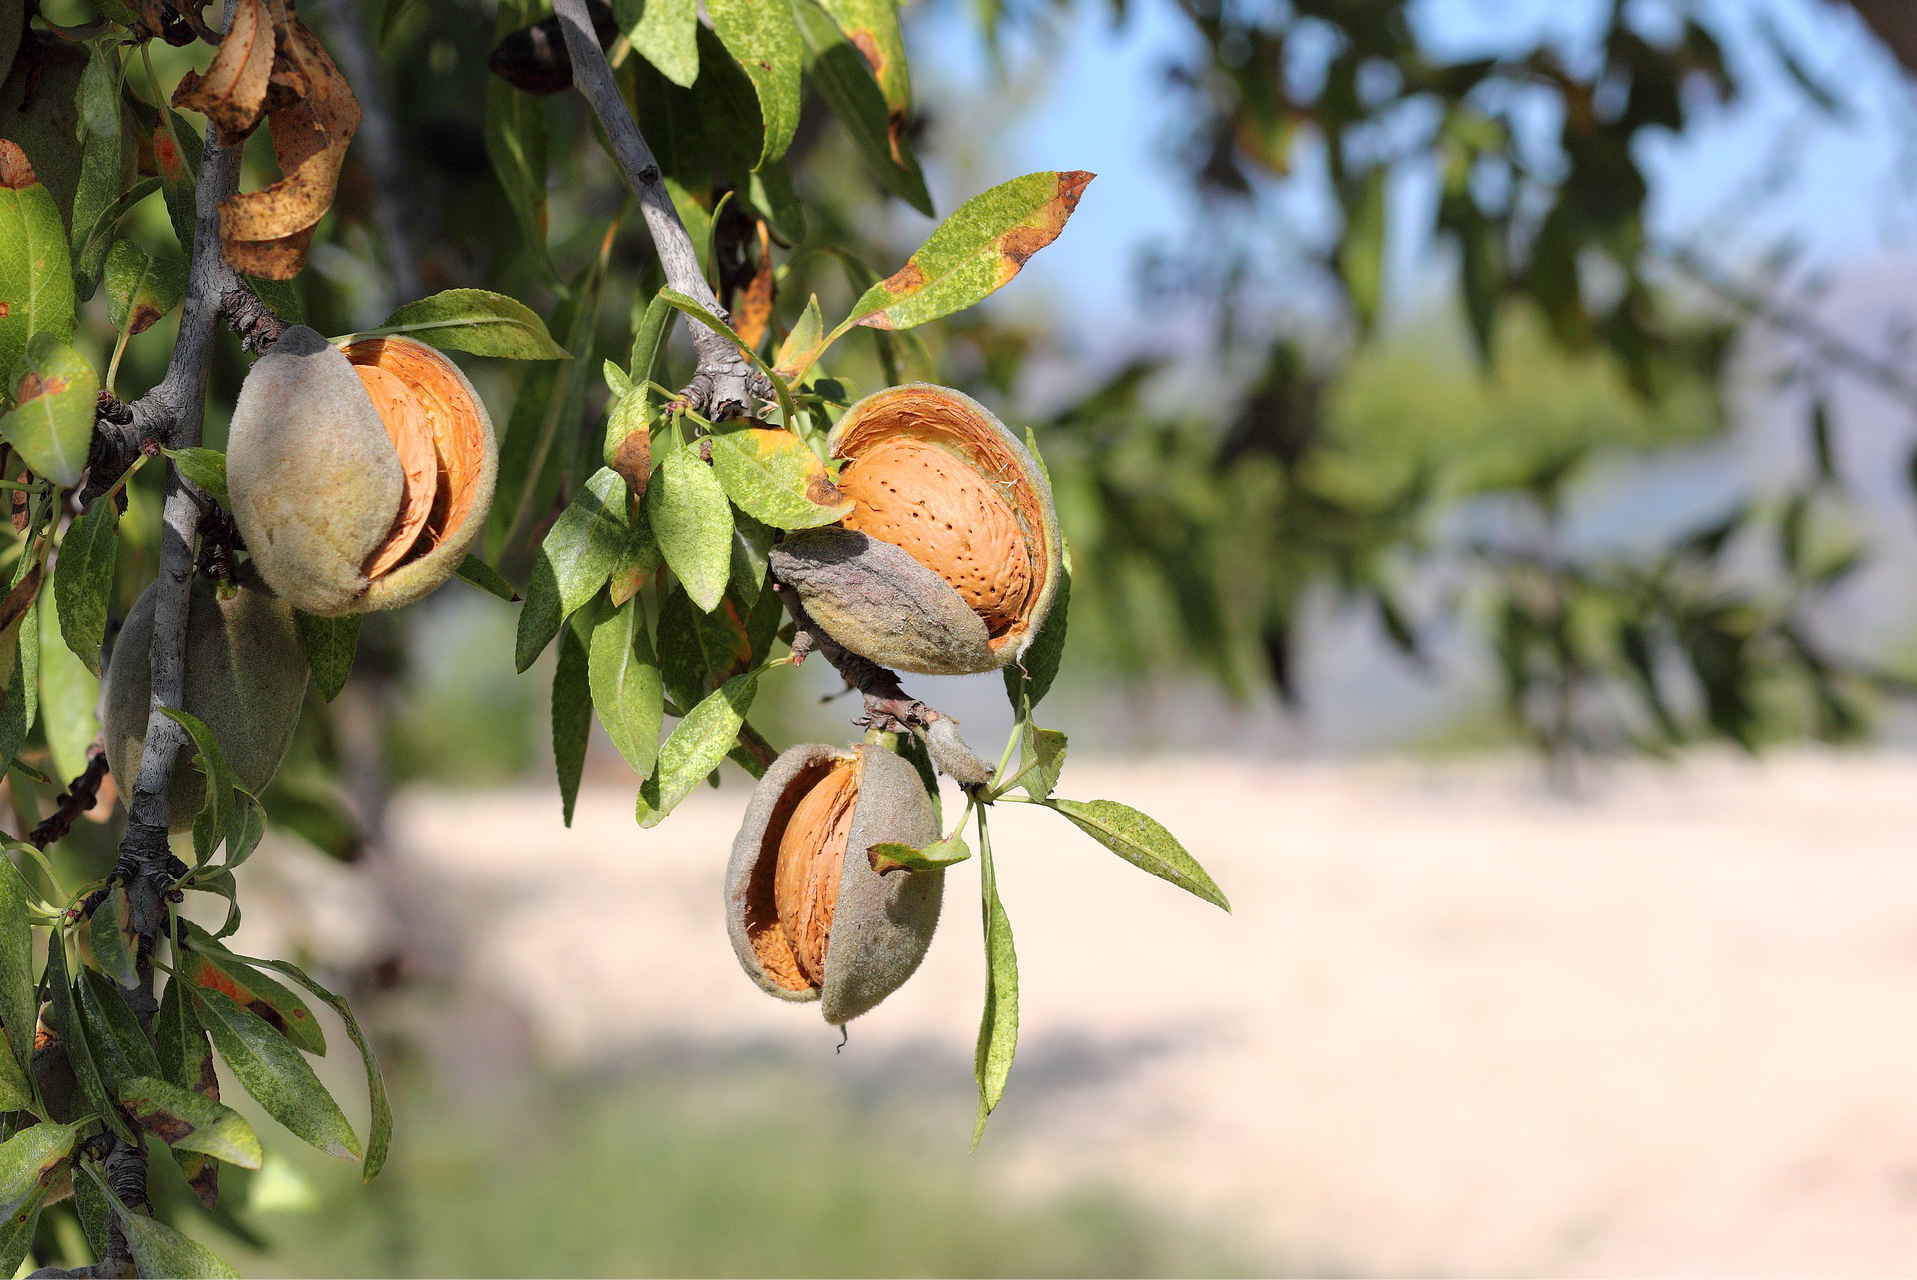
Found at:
<point>359,478</point>
<point>951,560</point>
<point>881,925</point>
<point>245,679</point>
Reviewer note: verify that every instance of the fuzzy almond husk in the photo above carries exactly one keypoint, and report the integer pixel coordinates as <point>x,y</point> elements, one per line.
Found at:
<point>880,600</point>
<point>317,483</point>
<point>882,925</point>
<point>245,679</point>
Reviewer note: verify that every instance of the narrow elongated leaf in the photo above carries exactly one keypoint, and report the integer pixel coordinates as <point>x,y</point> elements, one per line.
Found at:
<point>1043,758</point>
<point>844,76</point>
<point>19,1007</point>
<point>381,1136</point>
<point>1141,841</point>
<point>574,561</point>
<point>54,392</point>
<point>216,813</point>
<point>488,579</point>
<point>692,523</point>
<point>638,560</point>
<point>873,27</point>
<point>330,646</point>
<point>475,320</point>
<point>888,856</point>
<point>975,252</point>
<point>765,41</point>
<point>695,748</point>
<point>159,1250</point>
<point>205,468</point>
<point>698,650</point>
<point>186,1060</point>
<point>663,32</point>
<point>712,322</point>
<point>69,694</point>
<point>571,717</point>
<point>36,276</point>
<point>120,1048</point>
<point>626,686</point>
<point>16,1094</point>
<point>29,1162</point>
<point>110,933</point>
<point>16,1232</point>
<point>63,1015</point>
<point>211,967</point>
<point>187,1121</point>
<point>773,477</point>
<point>276,1074</point>
<point>141,287</point>
<point>751,558</point>
<point>1028,680</point>
<point>83,580</point>
<point>801,346</point>
<point>998,1025</point>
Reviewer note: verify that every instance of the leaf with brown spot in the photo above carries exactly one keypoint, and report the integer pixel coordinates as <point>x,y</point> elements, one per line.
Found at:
<point>801,346</point>
<point>266,232</point>
<point>841,67</point>
<point>36,272</point>
<point>772,477</point>
<point>752,304</point>
<point>51,424</point>
<point>873,28</point>
<point>187,1121</point>
<point>973,253</point>
<point>285,1012</point>
<point>232,92</point>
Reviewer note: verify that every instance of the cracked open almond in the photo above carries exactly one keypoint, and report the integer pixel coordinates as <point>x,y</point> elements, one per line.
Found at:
<point>808,916</point>
<point>359,476</point>
<point>950,559</point>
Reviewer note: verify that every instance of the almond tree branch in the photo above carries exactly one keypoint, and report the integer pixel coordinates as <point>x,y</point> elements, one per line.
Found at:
<point>724,384</point>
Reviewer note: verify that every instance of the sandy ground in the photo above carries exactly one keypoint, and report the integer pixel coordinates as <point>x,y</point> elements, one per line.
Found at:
<point>1454,1025</point>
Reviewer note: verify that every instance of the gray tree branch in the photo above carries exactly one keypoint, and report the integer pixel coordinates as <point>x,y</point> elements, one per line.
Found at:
<point>725,383</point>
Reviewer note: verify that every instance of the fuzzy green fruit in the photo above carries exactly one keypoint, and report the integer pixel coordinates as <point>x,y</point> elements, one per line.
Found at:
<point>359,478</point>
<point>808,916</point>
<point>950,559</point>
<point>245,679</point>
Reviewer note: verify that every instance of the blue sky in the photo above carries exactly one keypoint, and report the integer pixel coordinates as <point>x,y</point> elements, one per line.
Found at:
<point>1100,106</point>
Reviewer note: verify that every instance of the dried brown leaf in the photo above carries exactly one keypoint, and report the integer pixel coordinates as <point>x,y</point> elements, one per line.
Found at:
<point>232,92</point>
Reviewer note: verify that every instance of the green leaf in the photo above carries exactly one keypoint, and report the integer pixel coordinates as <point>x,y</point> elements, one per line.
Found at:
<point>51,424</point>
<point>63,1016</point>
<point>571,717</point>
<point>217,811</point>
<point>16,1094</point>
<point>663,32</point>
<point>873,26</point>
<point>695,748</point>
<point>330,645</point>
<point>381,1136</point>
<point>751,558</point>
<point>188,1121</point>
<point>120,1049</point>
<point>765,41</point>
<point>712,322</point>
<point>773,477</point>
<point>96,1215</point>
<point>69,694</point>
<point>110,933</point>
<point>488,579</point>
<point>19,1006</point>
<point>626,687</point>
<point>638,560</point>
<point>888,856</point>
<point>1142,842</point>
<point>1028,680</point>
<point>692,522</point>
<point>845,78</point>
<point>574,561</point>
<point>29,1162</point>
<point>100,94</point>
<point>516,143</point>
<point>649,340</point>
<point>1042,759</point>
<point>83,580</point>
<point>695,645</point>
<point>801,346</point>
<point>186,1060</point>
<point>36,276</point>
<point>159,1250</point>
<point>205,468</point>
<point>973,253</point>
<point>998,1025</point>
<point>17,1232</point>
<point>276,1074</point>
<point>475,320</point>
<point>141,287</point>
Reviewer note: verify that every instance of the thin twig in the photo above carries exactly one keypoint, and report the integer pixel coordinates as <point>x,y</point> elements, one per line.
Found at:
<point>80,796</point>
<point>724,384</point>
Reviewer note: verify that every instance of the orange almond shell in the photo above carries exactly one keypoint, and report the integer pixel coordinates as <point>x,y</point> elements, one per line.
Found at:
<point>951,560</point>
<point>808,916</point>
<point>360,477</point>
